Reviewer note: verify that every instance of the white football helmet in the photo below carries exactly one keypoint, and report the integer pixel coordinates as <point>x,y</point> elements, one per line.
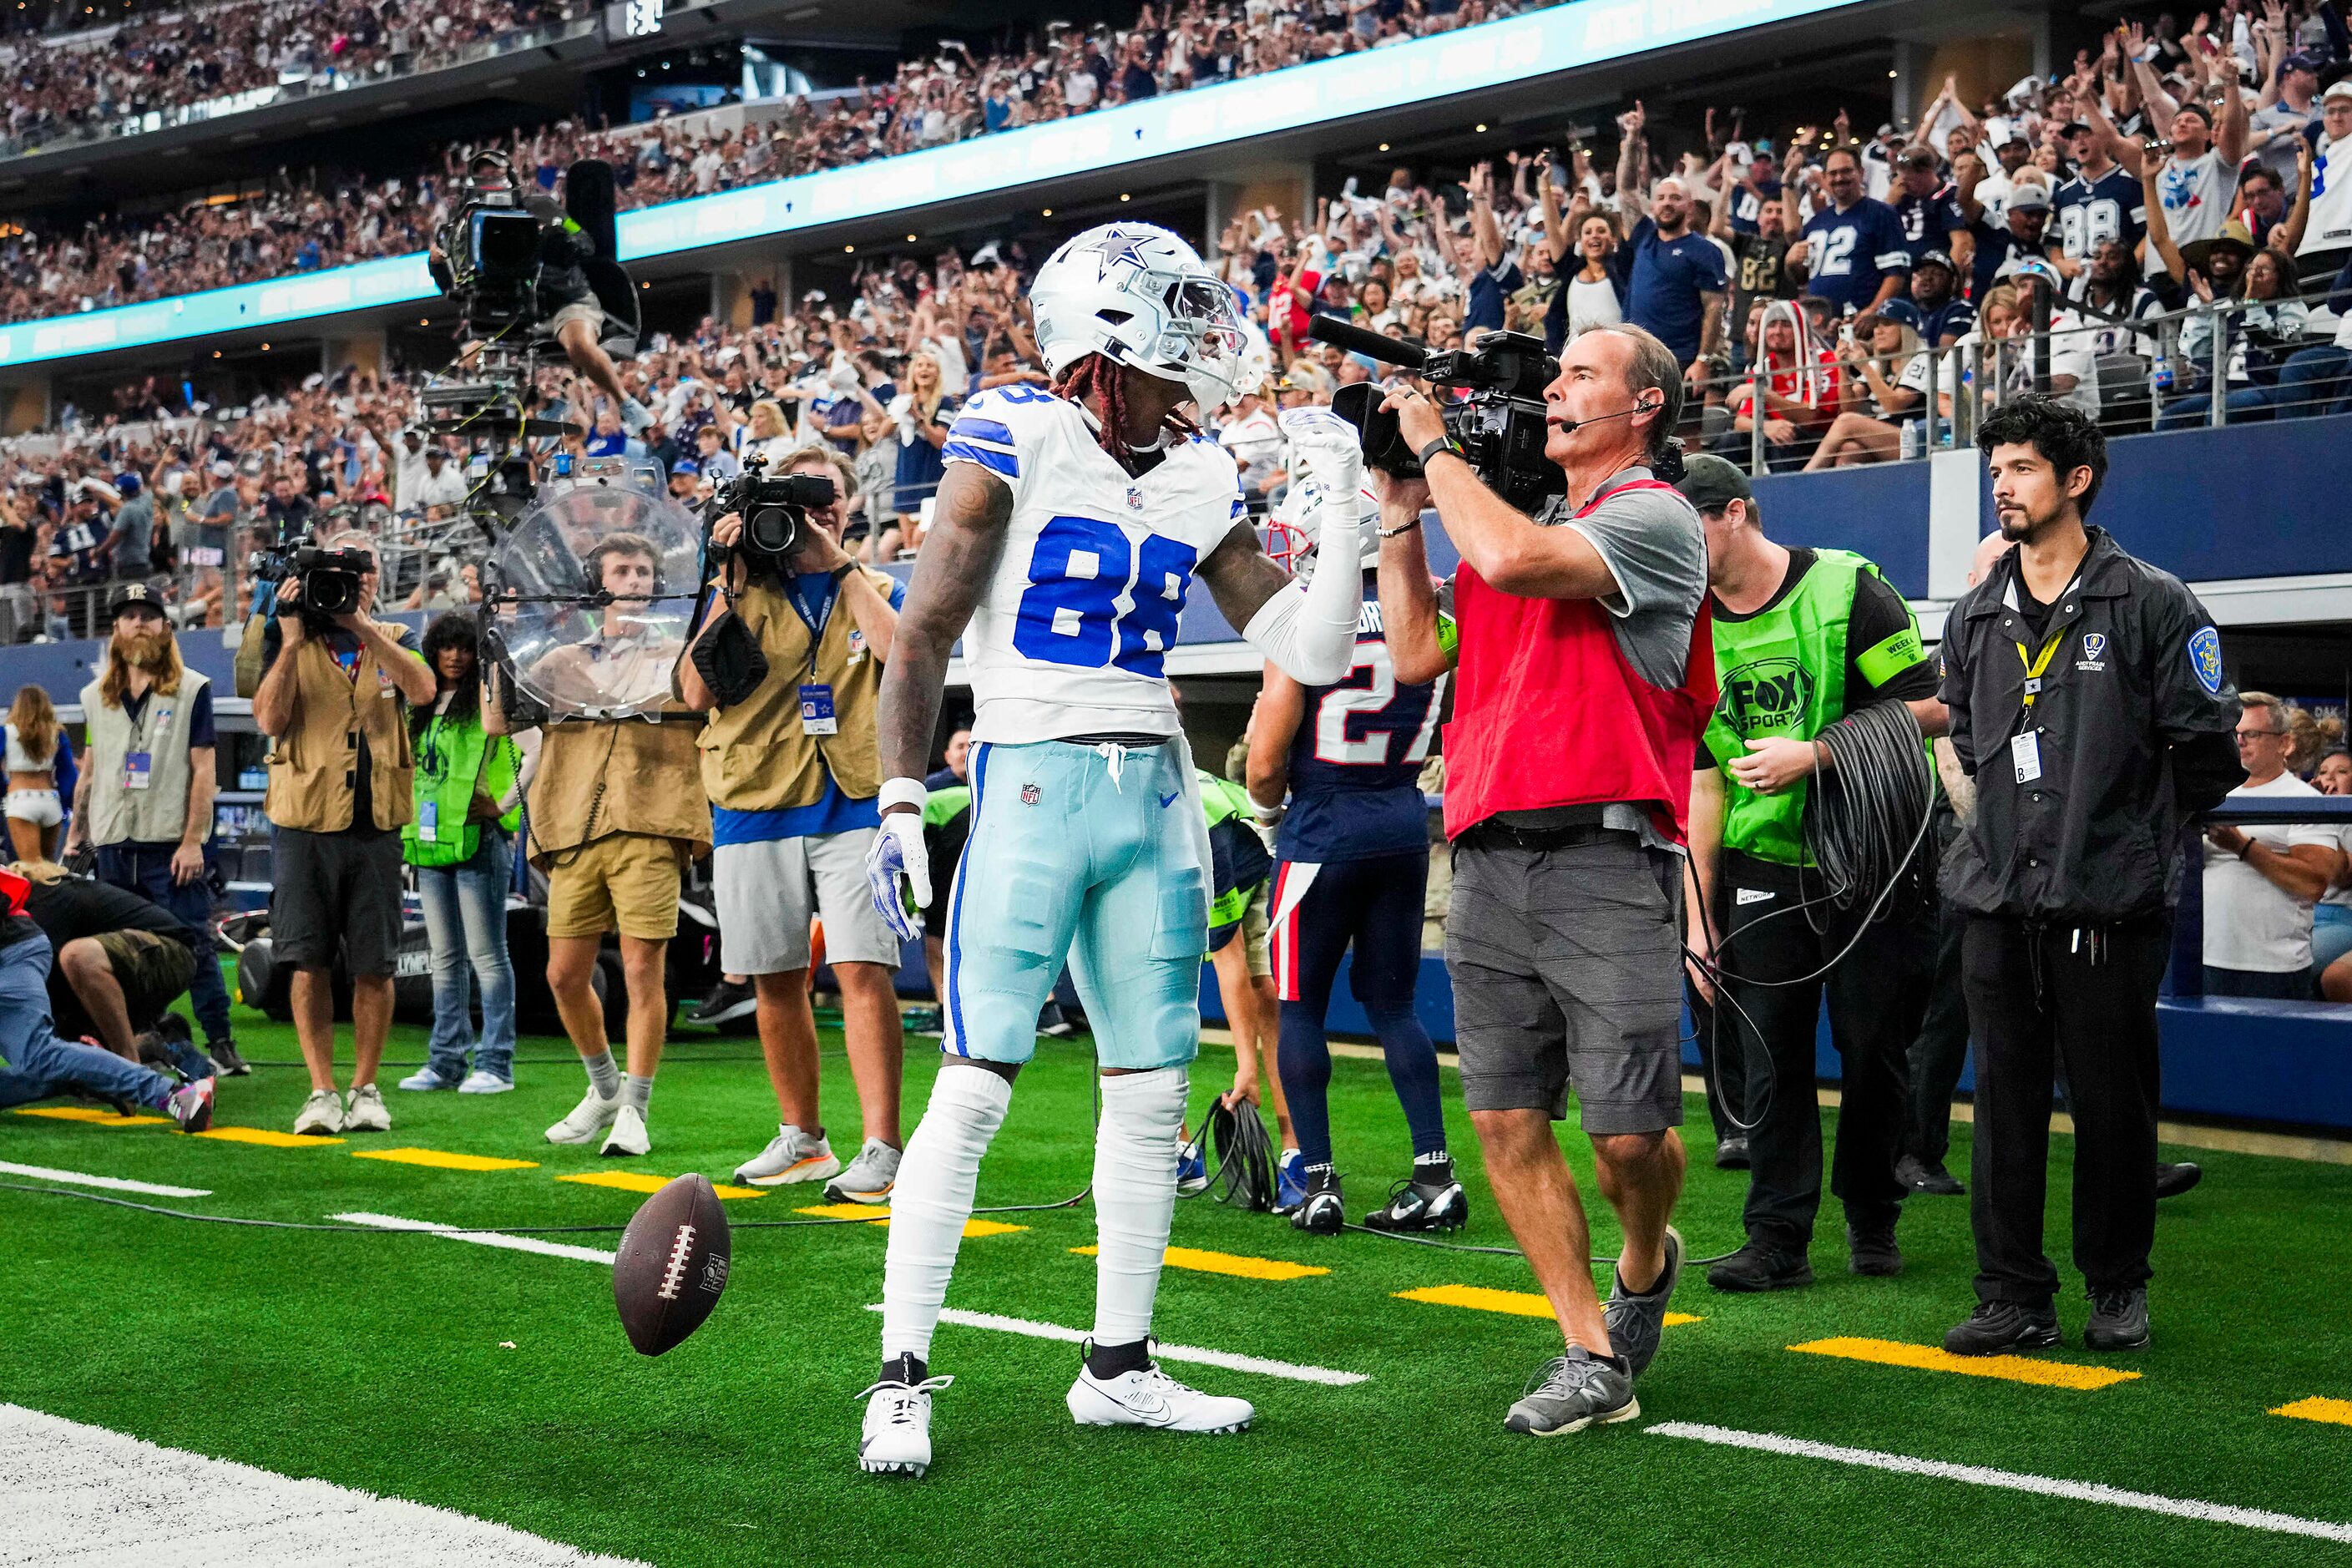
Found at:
<point>1137,295</point>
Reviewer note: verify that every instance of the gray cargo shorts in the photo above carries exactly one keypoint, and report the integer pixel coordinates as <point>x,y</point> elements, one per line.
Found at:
<point>1566,968</point>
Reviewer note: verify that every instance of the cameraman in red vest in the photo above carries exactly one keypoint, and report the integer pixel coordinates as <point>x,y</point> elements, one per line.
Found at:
<point>1586,673</point>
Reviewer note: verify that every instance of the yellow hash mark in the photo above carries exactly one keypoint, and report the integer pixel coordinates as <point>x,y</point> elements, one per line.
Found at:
<point>646,1182</point>
<point>2010,1368</point>
<point>1518,1303</point>
<point>93,1116</point>
<point>1240,1267</point>
<point>267,1138</point>
<point>2318,1408</point>
<point>867,1214</point>
<point>441,1160</point>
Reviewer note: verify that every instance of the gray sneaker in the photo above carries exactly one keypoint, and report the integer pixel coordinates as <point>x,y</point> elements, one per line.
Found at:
<point>1636,1321</point>
<point>869,1177</point>
<point>1571,1392</point>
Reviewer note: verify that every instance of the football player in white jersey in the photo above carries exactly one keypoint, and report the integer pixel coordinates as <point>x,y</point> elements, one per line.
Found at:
<point>1067,531</point>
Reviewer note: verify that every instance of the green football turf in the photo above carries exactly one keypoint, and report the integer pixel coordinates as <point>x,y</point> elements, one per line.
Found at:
<point>499,1384</point>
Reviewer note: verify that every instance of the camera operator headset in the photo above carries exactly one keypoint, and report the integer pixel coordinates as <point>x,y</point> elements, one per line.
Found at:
<point>584,299</point>
<point>1826,694</point>
<point>791,673</point>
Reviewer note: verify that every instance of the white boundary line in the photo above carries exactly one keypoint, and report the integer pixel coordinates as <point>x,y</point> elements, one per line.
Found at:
<point>481,1238</point>
<point>112,1183</point>
<point>2009,1480</point>
<point>1225,1359</point>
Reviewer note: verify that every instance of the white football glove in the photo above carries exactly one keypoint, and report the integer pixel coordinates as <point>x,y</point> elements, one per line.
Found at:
<point>898,865</point>
<point>1329,448</point>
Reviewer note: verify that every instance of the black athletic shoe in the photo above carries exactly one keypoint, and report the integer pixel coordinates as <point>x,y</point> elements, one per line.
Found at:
<point>1731,1155</point>
<point>728,1001</point>
<point>1422,1206</point>
<point>1760,1265</point>
<point>2001,1327</point>
<point>2171,1181</point>
<point>1934,1181</point>
<point>2118,1320</point>
<point>1322,1211</point>
<point>1873,1252</point>
<point>226,1061</point>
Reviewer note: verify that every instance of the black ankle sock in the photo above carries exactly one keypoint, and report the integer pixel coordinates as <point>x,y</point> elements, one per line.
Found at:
<point>908,1369</point>
<point>1112,1360</point>
<point>1433,1170</point>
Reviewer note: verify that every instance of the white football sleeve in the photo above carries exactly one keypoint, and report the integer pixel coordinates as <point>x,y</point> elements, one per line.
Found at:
<point>1310,630</point>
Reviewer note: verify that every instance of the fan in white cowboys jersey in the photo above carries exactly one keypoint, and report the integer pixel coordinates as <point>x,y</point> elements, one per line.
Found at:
<point>1067,532</point>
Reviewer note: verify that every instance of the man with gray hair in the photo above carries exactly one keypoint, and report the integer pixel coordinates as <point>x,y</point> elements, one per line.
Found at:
<point>2262,879</point>
<point>1586,674</point>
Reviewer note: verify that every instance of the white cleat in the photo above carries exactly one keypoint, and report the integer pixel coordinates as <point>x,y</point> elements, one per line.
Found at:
<point>367,1112</point>
<point>480,1082</point>
<point>628,1135</point>
<point>322,1115</point>
<point>1152,1398</point>
<point>791,1155</point>
<point>590,1117</point>
<point>897,1440</point>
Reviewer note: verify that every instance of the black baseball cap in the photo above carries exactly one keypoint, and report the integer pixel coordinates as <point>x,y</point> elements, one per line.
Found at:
<point>1711,483</point>
<point>131,593</point>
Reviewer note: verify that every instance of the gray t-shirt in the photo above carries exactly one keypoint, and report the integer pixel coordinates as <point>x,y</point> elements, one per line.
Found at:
<point>1656,549</point>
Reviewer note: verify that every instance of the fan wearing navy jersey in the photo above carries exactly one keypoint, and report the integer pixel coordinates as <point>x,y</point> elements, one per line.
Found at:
<point>1352,870</point>
<point>1853,252</point>
<point>2102,202</point>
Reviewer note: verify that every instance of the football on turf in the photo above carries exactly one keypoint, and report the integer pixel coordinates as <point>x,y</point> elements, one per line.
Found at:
<point>672,1265</point>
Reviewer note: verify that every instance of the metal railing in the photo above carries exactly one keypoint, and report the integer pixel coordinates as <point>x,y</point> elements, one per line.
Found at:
<point>2228,362</point>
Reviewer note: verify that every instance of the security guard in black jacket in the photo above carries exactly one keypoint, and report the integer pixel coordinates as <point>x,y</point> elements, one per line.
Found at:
<point>2088,702</point>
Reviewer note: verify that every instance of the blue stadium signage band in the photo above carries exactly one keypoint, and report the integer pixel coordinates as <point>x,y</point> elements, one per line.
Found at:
<point>1560,38</point>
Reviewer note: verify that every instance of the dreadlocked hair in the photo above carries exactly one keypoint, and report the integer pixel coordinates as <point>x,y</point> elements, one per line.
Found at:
<point>1093,374</point>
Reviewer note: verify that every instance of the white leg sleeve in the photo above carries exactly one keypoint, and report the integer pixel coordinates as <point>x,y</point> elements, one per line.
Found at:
<point>1135,1197</point>
<point>936,1178</point>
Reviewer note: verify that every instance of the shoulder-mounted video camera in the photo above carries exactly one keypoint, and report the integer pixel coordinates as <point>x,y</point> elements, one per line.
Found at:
<point>491,249</point>
<point>774,508</point>
<point>1499,426</point>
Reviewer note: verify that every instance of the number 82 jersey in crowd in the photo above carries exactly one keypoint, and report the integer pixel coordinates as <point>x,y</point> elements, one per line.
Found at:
<point>1071,634</point>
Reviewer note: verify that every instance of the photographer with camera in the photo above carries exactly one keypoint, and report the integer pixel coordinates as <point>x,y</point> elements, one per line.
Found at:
<point>790,673</point>
<point>1585,674</point>
<point>333,699</point>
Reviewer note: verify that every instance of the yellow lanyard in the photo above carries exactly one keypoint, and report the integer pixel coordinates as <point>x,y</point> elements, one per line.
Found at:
<point>2037,663</point>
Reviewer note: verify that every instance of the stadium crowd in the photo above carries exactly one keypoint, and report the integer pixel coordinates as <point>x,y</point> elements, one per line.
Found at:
<point>97,78</point>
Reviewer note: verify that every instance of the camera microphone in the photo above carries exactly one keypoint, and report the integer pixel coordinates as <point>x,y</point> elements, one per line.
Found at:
<point>1565,425</point>
<point>1371,345</point>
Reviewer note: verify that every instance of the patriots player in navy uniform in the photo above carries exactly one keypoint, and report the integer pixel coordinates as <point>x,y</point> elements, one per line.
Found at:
<point>1353,848</point>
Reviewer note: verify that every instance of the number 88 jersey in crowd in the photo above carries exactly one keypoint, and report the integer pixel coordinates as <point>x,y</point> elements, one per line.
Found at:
<point>1072,635</point>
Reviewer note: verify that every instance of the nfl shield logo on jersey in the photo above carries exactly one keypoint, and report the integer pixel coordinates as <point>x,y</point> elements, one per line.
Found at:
<point>1134,498</point>
<point>1031,794</point>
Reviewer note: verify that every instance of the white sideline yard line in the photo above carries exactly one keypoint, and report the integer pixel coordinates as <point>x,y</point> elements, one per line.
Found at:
<point>2009,1480</point>
<point>111,1183</point>
<point>481,1238</point>
<point>1225,1359</point>
<point>96,1498</point>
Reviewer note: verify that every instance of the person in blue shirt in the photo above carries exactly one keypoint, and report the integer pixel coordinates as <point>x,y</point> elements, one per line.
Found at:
<point>2103,201</point>
<point>790,765</point>
<point>1676,285</point>
<point>1852,250</point>
<point>2020,235</point>
<point>1489,276</point>
<point>1944,317</point>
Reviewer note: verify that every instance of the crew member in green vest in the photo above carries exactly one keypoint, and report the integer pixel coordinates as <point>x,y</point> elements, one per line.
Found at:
<point>1802,638</point>
<point>469,805</point>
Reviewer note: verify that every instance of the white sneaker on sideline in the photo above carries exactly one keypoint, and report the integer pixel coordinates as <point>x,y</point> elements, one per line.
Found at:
<point>591,1116</point>
<point>628,1135</point>
<point>897,1439</point>
<point>425,1080</point>
<point>869,1178</point>
<point>791,1155</point>
<point>1152,1398</point>
<point>322,1115</point>
<point>480,1082</point>
<point>367,1113</point>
